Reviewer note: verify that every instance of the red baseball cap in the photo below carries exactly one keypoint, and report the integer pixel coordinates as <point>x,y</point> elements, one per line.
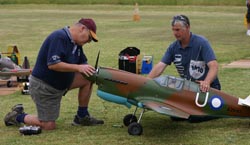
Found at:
<point>90,24</point>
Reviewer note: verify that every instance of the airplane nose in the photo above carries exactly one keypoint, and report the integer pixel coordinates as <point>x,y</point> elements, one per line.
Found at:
<point>97,70</point>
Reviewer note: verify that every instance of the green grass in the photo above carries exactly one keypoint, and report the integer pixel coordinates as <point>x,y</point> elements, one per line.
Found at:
<point>28,25</point>
<point>129,2</point>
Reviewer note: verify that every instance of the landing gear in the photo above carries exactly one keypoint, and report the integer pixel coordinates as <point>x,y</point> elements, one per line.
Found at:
<point>135,129</point>
<point>134,126</point>
<point>9,84</point>
<point>128,119</point>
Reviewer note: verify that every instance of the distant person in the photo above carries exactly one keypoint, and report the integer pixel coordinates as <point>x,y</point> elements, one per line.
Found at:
<point>248,17</point>
<point>58,68</point>
<point>192,55</point>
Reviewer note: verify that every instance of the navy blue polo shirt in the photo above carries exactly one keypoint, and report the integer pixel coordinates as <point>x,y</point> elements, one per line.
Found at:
<point>191,62</point>
<point>58,47</point>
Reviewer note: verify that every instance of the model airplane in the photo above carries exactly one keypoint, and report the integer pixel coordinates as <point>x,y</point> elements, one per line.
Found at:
<point>8,69</point>
<point>172,96</point>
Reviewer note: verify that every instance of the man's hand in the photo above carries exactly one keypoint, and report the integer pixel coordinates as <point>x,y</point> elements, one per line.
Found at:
<point>86,69</point>
<point>204,86</point>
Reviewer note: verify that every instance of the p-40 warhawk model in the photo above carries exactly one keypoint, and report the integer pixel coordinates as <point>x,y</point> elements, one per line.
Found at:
<point>172,96</point>
<point>8,69</point>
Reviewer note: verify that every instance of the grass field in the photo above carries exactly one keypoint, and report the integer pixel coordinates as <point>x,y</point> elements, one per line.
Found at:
<point>28,25</point>
<point>129,2</point>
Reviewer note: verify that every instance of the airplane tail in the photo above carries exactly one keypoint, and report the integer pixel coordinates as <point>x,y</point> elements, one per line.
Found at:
<point>244,102</point>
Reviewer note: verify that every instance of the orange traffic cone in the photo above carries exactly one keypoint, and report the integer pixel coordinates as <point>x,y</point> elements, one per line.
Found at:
<point>136,16</point>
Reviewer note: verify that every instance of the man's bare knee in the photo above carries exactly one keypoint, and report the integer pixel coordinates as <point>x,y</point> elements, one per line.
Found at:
<point>79,82</point>
<point>49,125</point>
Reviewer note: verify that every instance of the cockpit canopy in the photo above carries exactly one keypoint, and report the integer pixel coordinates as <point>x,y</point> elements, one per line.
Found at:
<point>170,81</point>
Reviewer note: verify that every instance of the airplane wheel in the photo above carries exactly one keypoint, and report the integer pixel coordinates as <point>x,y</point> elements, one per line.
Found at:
<point>128,119</point>
<point>9,84</point>
<point>135,129</point>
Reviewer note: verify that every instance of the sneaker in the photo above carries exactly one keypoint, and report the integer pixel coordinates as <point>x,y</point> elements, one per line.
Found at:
<point>86,121</point>
<point>248,32</point>
<point>18,108</point>
<point>10,118</point>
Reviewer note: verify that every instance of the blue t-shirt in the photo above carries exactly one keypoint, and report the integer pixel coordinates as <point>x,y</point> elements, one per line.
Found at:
<point>58,47</point>
<point>191,62</point>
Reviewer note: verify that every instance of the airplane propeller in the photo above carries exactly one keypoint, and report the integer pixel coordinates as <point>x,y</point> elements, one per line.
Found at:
<point>96,65</point>
<point>97,59</point>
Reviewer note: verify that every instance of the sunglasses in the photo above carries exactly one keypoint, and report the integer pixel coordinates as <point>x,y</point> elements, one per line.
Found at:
<point>90,37</point>
<point>180,18</point>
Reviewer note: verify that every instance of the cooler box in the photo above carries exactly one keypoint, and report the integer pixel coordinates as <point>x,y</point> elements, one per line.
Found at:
<point>147,64</point>
<point>127,59</point>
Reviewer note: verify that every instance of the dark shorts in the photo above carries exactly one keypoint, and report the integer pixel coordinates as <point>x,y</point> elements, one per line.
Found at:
<point>46,98</point>
<point>216,86</point>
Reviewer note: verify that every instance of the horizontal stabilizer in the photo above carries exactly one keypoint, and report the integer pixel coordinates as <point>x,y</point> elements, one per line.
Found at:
<point>244,102</point>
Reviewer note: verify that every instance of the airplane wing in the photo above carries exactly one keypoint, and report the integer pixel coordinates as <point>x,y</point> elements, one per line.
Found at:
<point>164,108</point>
<point>15,72</point>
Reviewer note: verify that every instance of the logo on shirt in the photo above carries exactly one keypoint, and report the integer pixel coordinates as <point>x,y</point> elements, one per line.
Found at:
<point>197,69</point>
<point>178,64</point>
<point>55,57</point>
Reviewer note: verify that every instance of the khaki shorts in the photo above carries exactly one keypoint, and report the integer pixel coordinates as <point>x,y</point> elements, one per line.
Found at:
<point>46,98</point>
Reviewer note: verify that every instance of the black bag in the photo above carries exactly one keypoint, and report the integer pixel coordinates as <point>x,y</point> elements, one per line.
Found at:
<point>127,59</point>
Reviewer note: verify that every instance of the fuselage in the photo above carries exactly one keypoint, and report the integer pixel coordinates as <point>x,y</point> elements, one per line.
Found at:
<point>128,89</point>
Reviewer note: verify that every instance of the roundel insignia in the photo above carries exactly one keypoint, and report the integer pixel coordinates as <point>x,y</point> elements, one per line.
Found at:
<point>216,102</point>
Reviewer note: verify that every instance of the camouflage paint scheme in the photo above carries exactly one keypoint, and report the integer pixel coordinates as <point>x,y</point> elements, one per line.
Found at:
<point>167,95</point>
